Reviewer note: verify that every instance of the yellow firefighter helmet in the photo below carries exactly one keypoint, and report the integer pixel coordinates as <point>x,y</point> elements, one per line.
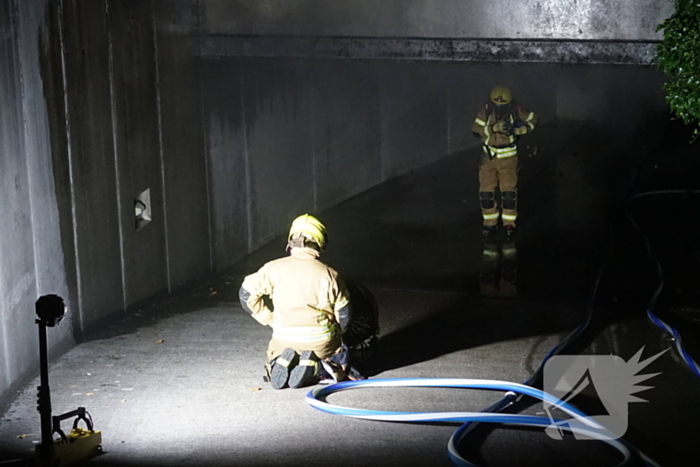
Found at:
<point>311,228</point>
<point>501,95</point>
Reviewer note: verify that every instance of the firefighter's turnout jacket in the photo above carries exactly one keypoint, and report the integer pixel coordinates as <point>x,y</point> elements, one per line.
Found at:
<point>310,304</point>
<point>501,145</point>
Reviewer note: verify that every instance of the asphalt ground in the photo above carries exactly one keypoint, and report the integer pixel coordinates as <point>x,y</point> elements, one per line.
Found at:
<point>178,381</point>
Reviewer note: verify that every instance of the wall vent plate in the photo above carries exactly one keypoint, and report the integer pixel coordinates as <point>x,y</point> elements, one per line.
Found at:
<point>142,209</point>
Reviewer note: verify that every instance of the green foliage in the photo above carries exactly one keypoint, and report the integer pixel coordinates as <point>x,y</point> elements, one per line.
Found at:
<point>678,56</point>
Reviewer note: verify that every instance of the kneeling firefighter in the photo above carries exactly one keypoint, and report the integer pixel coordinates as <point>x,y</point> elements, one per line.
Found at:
<point>309,311</point>
<point>500,123</point>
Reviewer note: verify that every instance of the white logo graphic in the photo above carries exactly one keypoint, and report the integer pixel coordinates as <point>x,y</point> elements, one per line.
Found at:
<point>605,381</point>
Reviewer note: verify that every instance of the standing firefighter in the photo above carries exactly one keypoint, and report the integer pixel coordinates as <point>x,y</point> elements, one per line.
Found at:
<point>499,124</point>
<point>309,311</point>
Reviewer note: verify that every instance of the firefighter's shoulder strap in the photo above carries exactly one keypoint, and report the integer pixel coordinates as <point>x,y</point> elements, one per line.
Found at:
<point>513,109</point>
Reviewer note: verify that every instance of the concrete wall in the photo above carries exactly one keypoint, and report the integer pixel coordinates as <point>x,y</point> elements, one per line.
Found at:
<point>550,31</point>
<point>100,101</point>
<point>89,158</point>
<point>131,91</point>
<point>183,146</point>
<point>292,136</point>
<point>31,262</point>
<point>508,19</point>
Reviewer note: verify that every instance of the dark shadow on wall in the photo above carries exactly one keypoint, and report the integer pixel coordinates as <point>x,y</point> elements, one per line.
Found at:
<point>54,96</point>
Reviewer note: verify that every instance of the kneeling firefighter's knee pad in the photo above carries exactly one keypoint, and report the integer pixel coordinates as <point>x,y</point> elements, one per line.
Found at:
<point>487,200</point>
<point>509,200</point>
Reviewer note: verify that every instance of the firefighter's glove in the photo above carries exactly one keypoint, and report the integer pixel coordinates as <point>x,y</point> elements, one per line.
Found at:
<point>521,130</point>
<point>502,127</point>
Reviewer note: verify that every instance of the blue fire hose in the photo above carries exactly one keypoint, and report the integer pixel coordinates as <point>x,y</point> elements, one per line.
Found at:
<point>585,426</point>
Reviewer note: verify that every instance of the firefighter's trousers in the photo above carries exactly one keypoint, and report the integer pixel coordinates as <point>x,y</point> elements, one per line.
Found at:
<point>503,174</point>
